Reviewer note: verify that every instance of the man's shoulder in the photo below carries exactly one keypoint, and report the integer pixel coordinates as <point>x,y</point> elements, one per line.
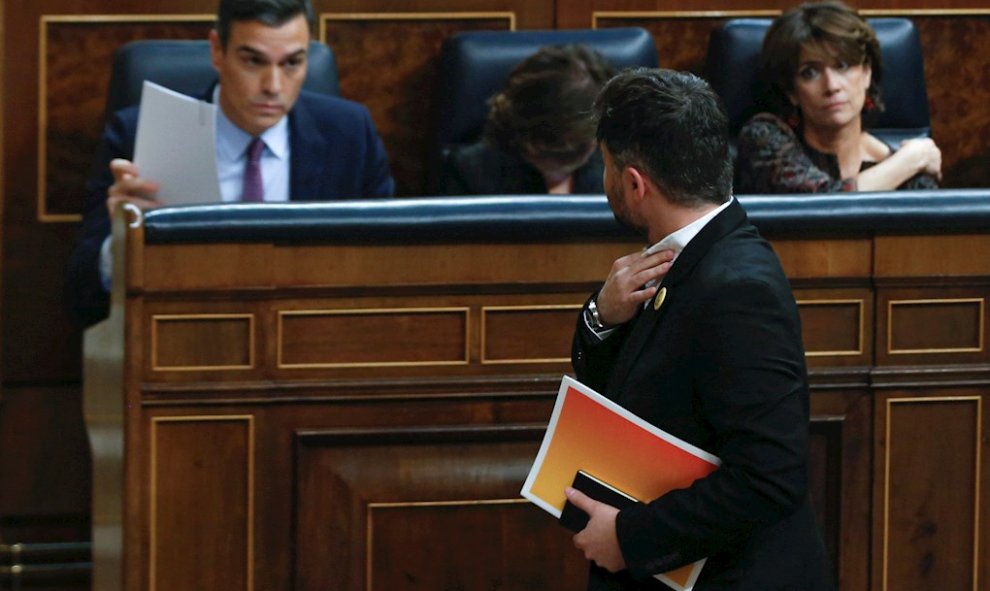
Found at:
<point>325,105</point>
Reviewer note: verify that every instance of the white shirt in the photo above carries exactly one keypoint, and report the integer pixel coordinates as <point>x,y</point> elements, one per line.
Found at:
<point>675,241</point>
<point>232,143</point>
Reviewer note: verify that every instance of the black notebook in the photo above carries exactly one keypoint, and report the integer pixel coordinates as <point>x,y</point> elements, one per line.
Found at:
<point>575,519</point>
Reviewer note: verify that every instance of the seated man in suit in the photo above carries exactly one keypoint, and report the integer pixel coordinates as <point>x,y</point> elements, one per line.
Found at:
<point>275,142</point>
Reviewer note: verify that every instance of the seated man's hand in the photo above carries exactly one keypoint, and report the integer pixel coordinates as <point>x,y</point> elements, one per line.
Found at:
<point>129,187</point>
<point>625,287</point>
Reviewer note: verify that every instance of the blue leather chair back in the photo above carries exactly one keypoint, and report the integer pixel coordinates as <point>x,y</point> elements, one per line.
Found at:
<point>185,66</point>
<point>732,67</point>
<point>475,65</point>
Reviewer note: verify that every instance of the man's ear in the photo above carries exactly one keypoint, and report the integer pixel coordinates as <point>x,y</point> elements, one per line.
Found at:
<point>216,50</point>
<point>634,183</point>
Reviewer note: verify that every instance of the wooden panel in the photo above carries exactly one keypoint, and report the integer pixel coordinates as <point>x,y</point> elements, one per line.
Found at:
<point>389,497</point>
<point>932,255</point>
<point>73,95</point>
<point>833,327</point>
<point>928,517</point>
<point>959,119</point>
<point>840,471</point>
<point>201,530</point>
<point>186,342</point>
<point>426,546</point>
<point>527,334</point>
<point>825,481</point>
<point>929,325</point>
<point>261,266</point>
<point>935,326</point>
<point>388,62</point>
<point>363,337</point>
<point>825,259</point>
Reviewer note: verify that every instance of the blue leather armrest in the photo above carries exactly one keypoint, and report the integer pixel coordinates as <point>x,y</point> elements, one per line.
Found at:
<point>535,218</point>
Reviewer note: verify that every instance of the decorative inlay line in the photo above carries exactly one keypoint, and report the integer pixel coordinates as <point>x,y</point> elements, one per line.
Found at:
<point>860,330</point>
<point>928,302</point>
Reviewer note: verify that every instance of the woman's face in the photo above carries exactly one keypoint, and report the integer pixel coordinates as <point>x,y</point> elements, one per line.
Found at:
<point>556,169</point>
<point>829,91</point>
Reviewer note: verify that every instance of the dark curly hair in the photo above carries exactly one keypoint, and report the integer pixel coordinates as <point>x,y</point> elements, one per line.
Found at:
<point>545,109</point>
<point>829,26</point>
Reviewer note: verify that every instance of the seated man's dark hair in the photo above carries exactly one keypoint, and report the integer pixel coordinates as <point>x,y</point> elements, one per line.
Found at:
<point>673,127</point>
<point>273,13</point>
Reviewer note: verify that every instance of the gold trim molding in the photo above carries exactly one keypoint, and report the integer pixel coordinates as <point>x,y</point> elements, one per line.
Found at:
<point>280,344</point>
<point>325,17</point>
<point>43,22</point>
<point>977,476</point>
<point>535,308</point>
<point>725,14</point>
<point>156,318</point>
<point>677,14</point>
<point>859,337</point>
<point>890,325</point>
<point>153,484</point>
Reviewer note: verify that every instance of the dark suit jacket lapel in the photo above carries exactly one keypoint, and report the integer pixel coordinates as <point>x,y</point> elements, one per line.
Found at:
<point>305,170</point>
<point>647,321</point>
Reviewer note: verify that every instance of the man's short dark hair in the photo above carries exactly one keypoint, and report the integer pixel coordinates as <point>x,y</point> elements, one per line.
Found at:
<point>273,13</point>
<point>673,127</point>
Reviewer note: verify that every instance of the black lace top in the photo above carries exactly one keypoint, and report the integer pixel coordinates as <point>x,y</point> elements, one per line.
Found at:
<point>773,158</point>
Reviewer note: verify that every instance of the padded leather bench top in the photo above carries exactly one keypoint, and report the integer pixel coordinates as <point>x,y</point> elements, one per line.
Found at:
<point>535,218</point>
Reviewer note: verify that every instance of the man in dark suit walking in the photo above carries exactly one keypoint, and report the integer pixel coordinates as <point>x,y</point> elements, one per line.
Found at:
<point>698,334</point>
<point>306,146</point>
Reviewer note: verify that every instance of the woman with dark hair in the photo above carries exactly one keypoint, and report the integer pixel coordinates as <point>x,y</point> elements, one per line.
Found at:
<point>539,136</point>
<point>821,63</point>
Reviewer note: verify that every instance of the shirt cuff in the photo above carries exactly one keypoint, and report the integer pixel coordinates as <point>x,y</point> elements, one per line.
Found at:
<point>106,265</point>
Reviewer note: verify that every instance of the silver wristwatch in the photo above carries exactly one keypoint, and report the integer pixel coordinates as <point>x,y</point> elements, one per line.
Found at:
<point>593,318</point>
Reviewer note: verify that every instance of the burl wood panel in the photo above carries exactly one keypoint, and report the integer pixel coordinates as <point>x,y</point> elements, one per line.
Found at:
<point>956,63</point>
<point>425,508</point>
<point>201,485</point>
<point>187,342</point>
<point>389,64</point>
<point>368,337</point>
<point>681,41</point>
<point>521,334</point>
<point>77,65</point>
<point>927,522</point>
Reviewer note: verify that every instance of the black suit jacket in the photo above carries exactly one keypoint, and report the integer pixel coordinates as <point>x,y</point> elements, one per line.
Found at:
<point>720,365</point>
<point>336,154</point>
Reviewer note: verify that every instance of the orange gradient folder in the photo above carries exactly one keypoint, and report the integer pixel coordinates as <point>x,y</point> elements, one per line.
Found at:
<point>591,433</point>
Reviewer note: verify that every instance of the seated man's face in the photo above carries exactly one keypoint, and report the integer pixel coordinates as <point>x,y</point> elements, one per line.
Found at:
<point>261,71</point>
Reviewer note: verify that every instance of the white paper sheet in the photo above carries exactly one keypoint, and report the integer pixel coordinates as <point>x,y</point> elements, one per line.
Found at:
<point>176,146</point>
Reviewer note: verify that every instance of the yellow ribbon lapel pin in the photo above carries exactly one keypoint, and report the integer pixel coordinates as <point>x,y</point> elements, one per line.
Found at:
<point>660,297</point>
